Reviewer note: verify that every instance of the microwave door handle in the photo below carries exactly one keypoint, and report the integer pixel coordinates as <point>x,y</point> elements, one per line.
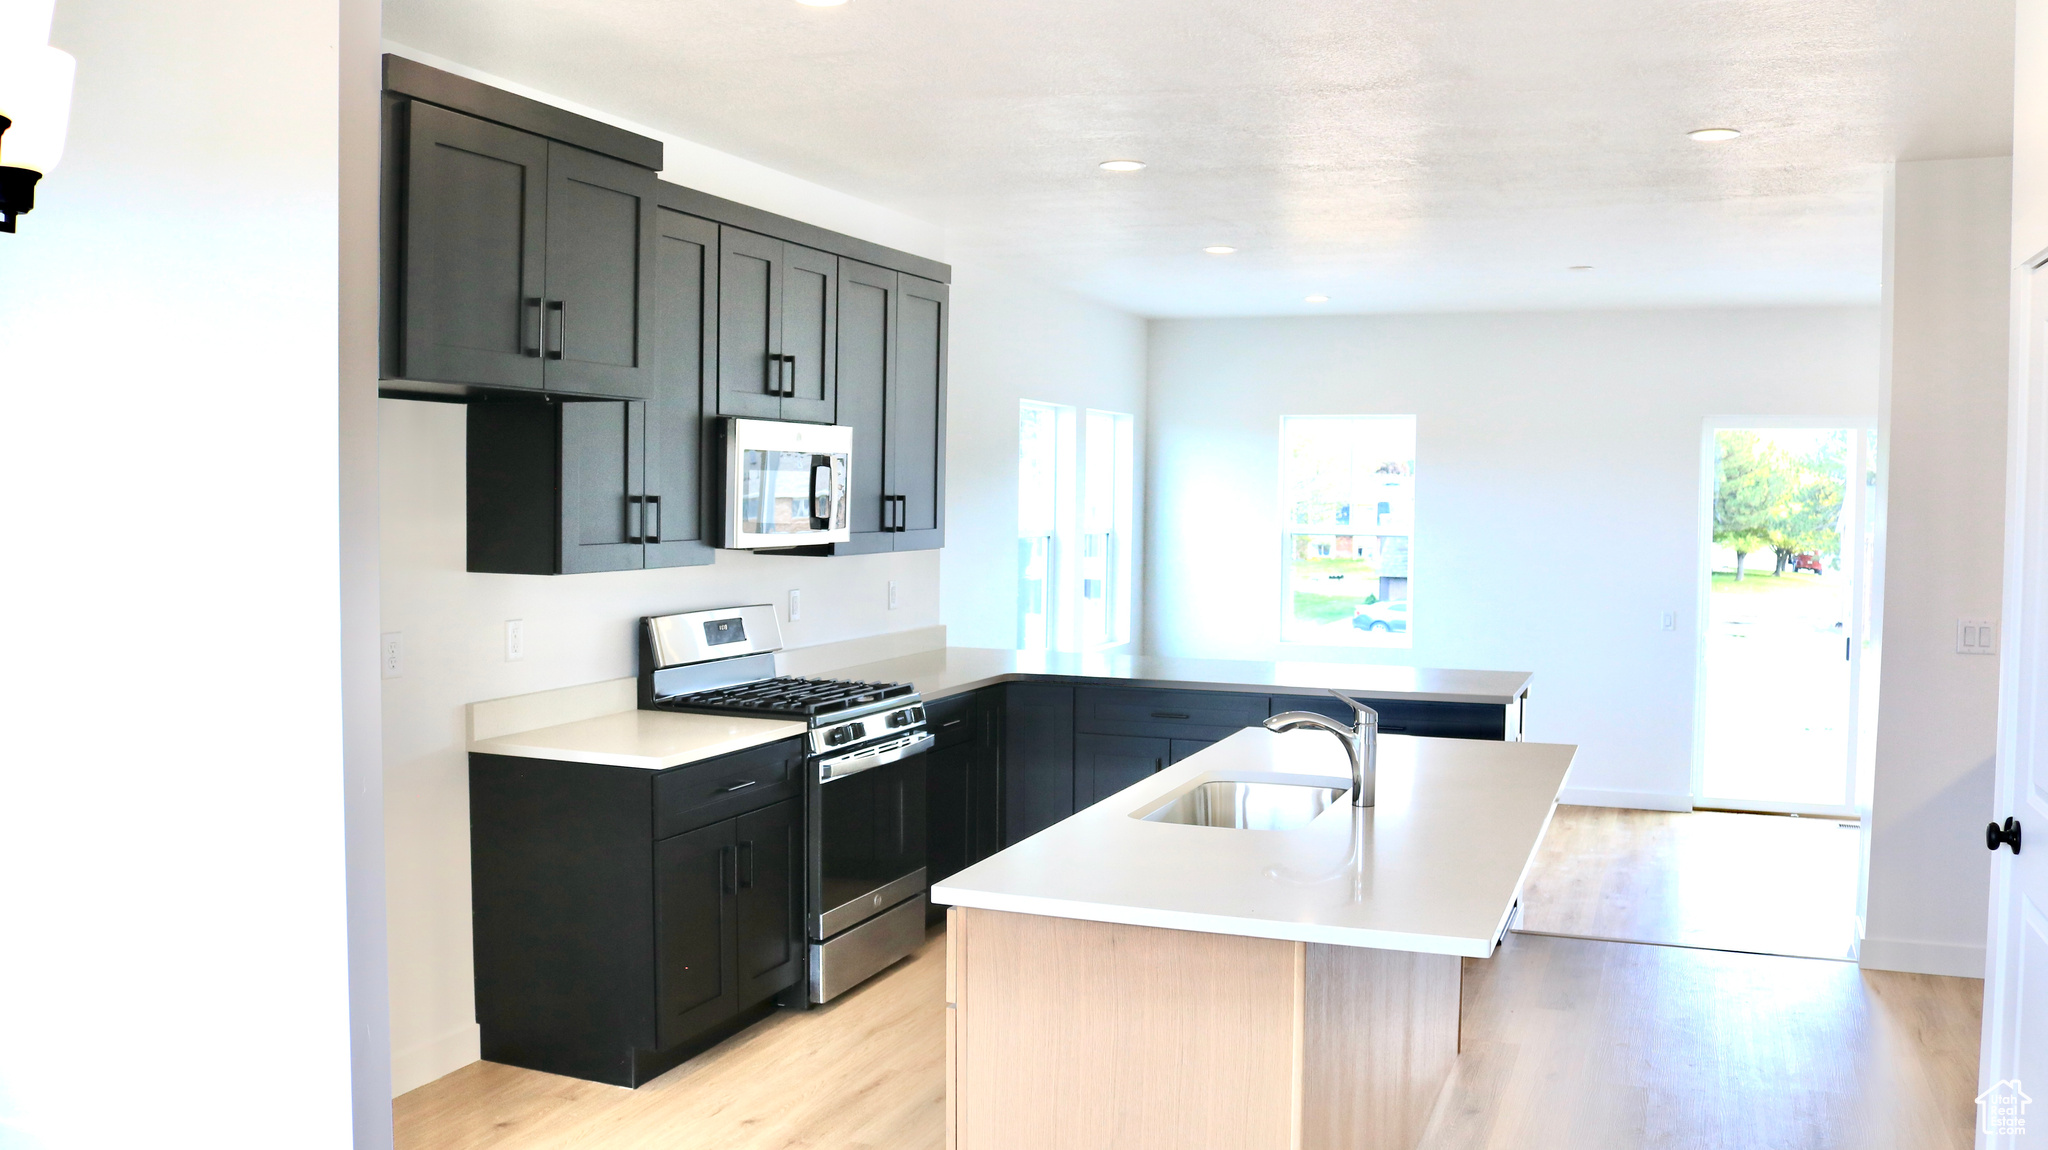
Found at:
<point>821,501</point>
<point>840,464</point>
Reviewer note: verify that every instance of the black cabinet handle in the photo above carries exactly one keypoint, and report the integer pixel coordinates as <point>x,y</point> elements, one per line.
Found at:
<point>652,522</point>
<point>737,787</point>
<point>531,346</point>
<point>1392,729</point>
<point>895,513</point>
<point>747,861</point>
<point>2008,834</point>
<point>1169,715</point>
<point>728,855</point>
<point>636,519</point>
<point>560,310</point>
<point>771,383</point>
<point>954,723</point>
<point>789,377</point>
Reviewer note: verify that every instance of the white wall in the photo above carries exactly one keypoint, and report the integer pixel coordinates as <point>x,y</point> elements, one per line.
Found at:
<point>1937,724</point>
<point>1015,339</point>
<point>2030,133</point>
<point>171,785</point>
<point>1542,438</point>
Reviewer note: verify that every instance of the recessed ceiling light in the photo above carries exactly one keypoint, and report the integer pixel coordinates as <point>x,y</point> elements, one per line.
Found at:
<point>1580,268</point>
<point>1219,249</point>
<point>1709,135</point>
<point>1318,299</point>
<point>1107,165</point>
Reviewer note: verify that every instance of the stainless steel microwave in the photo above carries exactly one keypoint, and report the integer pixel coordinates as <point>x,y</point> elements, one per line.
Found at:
<point>785,483</point>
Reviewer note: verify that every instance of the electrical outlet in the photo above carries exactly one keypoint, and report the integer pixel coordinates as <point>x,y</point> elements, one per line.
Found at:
<point>1671,620</point>
<point>515,640</point>
<point>393,664</point>
<point>1976,637</point>
<point>892,594</point>
<point>796,605</point>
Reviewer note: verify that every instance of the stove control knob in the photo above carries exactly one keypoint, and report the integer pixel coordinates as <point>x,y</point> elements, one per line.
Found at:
<point>838,736</point>
<point>906,717</point>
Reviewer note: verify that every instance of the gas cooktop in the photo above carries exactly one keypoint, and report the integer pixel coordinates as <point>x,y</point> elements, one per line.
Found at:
<point>785,695</point>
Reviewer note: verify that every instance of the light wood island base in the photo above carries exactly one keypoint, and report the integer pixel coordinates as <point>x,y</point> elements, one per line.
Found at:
<point>1076,1034</point>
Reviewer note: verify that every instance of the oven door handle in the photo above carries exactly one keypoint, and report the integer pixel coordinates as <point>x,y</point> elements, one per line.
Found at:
<point>830,770</point>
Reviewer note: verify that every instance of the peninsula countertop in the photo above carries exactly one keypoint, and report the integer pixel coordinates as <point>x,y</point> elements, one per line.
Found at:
<point>1434,867</point>
<point>650,740</point>
<point>953,670</point>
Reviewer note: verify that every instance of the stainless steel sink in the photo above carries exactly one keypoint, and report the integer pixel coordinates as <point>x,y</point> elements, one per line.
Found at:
<point>1248,806</point>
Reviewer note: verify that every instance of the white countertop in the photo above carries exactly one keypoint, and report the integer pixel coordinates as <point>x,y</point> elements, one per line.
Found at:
<point>1434,866</point>
<point>652,740</point>
<point>951,670</point>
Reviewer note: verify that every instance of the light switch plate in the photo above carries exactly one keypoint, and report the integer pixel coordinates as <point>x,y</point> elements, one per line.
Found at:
<point>1976,637</point>
<point>1671,620</point>
<point>392,660</point>
<point>892,594</point>
<point>796,605</point>
<point>515,640</point>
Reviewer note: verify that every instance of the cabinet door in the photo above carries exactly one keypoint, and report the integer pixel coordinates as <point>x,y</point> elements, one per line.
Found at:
<point>695,931</point>
<point>1182,748</point>
<point>867,364</point>
<point>475,217</point>
<point>683,313</point>
<point>600,257</point>
<point>750,371</point>
<point>1038,758</point>
<point>602,482</point>
<point>985,778</point>
<point>810,324</point>
<point>770,903</point>
<point>1106,764</point>
<point>947,813</point>
<point>917,416</point>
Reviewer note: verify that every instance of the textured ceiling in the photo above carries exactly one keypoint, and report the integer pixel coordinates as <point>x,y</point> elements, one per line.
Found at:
<point>1395,155</point>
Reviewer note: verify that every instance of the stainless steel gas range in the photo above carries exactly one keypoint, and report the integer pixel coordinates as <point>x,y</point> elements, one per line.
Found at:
<point>864,794</point>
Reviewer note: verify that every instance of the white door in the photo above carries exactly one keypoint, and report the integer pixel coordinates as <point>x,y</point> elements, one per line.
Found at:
<point>2015,1053</point>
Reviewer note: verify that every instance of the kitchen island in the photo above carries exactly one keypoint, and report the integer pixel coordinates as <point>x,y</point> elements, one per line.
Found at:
<point>1124,980</point>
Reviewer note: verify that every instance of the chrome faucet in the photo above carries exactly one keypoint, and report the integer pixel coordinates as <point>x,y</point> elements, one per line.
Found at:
<point>1361,741</point>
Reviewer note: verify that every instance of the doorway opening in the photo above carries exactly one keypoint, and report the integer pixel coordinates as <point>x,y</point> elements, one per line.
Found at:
<point>1771,859</point>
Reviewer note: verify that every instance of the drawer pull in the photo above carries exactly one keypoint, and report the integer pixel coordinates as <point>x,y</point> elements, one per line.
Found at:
<point>954,723</point>
<point>736,787</point>
<point>1169,714</point>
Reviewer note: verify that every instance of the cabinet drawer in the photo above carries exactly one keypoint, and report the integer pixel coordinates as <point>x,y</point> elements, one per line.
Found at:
<point>1166,714</point>
<point>702,793</point>
<point>951,721</point>
<point>1410,717</point>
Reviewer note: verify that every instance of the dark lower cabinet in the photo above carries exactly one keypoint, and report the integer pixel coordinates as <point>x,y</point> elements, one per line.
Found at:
<point>1106,764</point>
<point>608,951</point>
<point>964,784</point>
<point>1038,757</point>
<point>1178,749</point>
<point>1413,717</point>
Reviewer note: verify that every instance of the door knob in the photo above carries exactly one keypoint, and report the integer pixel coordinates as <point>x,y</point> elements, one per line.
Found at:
<point>2009,834</point>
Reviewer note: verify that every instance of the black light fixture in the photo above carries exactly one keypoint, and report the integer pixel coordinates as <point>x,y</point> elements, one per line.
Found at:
<point>17,185</point>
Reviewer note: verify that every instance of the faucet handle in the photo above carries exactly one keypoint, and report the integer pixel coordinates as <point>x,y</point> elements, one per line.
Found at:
<point>1364,712</point>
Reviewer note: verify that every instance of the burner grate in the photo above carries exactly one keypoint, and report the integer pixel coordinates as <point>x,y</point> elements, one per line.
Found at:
<point>788,695</point>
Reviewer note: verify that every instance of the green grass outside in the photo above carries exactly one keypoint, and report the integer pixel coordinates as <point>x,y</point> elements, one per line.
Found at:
<point>1312,608</point>
<point>1334,567</point>
<point>1764,583</point>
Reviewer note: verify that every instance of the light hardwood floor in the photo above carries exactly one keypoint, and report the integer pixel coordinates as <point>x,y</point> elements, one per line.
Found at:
<point>1568,1045</point>
<point>1761,883</point>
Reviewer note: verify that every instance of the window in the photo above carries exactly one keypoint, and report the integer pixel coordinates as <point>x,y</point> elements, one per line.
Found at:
<point>1074,523</point>
<point>1106,531</point>
<point>1347,493</point>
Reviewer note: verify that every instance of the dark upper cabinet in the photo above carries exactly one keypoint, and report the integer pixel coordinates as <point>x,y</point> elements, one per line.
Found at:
<point>600,256</point>
<point>917,416</point>
<point>556,488</point>
<point>476,217</point>
<point>892,392</point>
<point>683,310</point>
<point>768,902</point>
<point>777,329</point>
<point>525,260</point>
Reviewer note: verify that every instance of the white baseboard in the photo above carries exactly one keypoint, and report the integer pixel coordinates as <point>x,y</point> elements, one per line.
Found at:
<point>1956,960</point>
<point>422,1062</point>
<point>1634,800</point>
